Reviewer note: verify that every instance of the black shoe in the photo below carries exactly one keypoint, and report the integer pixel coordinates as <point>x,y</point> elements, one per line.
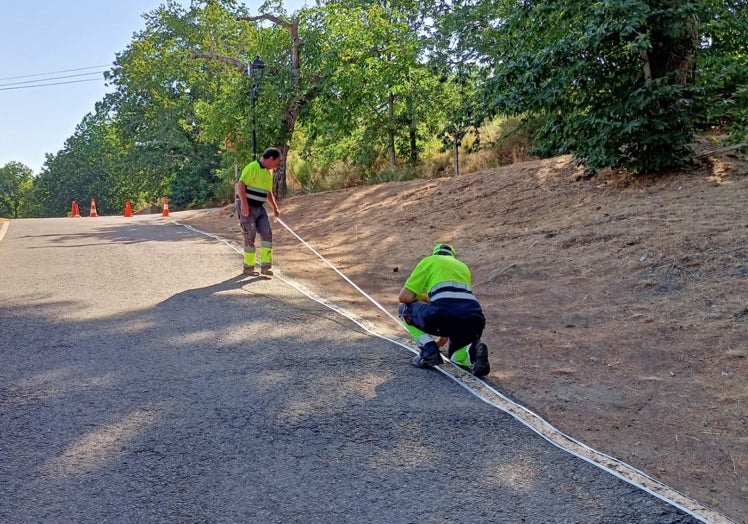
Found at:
<point>429,361</point>
<point>478,352</point>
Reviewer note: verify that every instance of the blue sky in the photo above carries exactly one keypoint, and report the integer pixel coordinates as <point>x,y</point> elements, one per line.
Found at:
<point>43,37</point>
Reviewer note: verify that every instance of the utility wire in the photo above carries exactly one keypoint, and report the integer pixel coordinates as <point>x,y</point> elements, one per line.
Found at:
<point>50,78</point>
<point>55,72</point>
<point>52,84</point>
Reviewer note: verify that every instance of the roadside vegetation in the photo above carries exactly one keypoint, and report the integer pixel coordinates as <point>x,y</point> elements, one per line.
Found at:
<point>358,92</point>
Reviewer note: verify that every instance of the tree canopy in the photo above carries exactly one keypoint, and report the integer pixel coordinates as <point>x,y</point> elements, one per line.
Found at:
<point>377,86</point>
<point>15,184</point>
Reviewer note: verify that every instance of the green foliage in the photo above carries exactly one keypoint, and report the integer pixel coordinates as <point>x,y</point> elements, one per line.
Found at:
<point>722,70</point>
<point>303,170</point>
<point>82,169</point>
<point>645,131</point>
<point>364,92</point>
<point>394,175</point>
<point>194,187</point>
<point>15,188</point>
<point>169,148</point>
<point>378,100</point>
<point>578,74</point>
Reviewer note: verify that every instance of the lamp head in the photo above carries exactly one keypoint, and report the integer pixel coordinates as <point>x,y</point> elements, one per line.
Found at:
<point>257,69</point>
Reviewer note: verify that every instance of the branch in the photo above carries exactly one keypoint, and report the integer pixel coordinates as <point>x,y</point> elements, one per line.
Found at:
<point>722,150</point>
<point>270,18</point>
<point>241,66</point>
<point>293,30</point>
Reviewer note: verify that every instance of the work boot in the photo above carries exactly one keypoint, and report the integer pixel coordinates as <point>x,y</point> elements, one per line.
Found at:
<point>251,271</point>
<point>429,357</point>
<point>478,353</point>
<point>266,270</point>
<point>429,361</point>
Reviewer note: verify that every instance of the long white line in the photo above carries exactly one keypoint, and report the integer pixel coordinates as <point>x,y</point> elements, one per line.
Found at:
<point>377,304</point>
<point>491,396</point>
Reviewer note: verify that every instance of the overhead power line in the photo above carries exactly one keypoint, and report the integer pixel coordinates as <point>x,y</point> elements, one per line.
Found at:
<point>55,72</point>
<point>45,79</point>
<point>51,84</point>
<point>50,78</point>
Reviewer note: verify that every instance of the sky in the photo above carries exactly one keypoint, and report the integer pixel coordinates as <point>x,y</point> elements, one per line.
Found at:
<point>43,40</point>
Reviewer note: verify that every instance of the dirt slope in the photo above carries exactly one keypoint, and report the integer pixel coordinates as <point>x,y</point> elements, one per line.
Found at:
<point>617,306</point>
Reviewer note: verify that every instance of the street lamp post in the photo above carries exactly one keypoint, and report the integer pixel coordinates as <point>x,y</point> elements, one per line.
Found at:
<point>256,72</point>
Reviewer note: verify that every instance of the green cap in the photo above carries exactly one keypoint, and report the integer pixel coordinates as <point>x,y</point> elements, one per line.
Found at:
<point>444,249</point>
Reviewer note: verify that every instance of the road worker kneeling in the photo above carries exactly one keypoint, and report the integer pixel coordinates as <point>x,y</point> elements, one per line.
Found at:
<point>437,301</point>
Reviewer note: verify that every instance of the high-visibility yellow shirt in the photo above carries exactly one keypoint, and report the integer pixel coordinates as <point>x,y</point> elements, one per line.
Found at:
<point>259,182</point>
<point>438,269</point>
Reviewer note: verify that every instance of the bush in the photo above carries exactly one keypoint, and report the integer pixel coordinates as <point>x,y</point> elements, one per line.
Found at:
<point>436,165</point>
<point>194,187</point>
<point>340,175</point>
<point>399,174</point>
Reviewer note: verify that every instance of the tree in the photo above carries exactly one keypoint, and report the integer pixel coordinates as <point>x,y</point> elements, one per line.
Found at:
<point>290,83</point>
<point>722,68</point>
<point>609,82</point>
<point>379,98</point>
<point>83,169</point>
<point>157,104</point>
<point>15,184</point>
<point>344,71</point>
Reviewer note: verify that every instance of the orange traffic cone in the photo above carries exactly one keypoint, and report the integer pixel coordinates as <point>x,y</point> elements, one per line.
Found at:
<point>166,208</point>
<point>75,212</point>
<point>93,213</point>
<point>128,209</point>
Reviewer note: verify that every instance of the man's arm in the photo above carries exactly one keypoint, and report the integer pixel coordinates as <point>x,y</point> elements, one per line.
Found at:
<point>274,203</point>
<point>407,296</point>
<point>241,190</point>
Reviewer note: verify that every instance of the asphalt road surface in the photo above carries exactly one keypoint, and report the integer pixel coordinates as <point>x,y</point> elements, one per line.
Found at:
<point>144,379</point>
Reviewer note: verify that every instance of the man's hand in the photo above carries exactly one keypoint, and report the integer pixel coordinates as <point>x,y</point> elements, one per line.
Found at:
<point>277,212</point>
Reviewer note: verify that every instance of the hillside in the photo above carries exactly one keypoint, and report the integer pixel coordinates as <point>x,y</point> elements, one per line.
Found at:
<point>617,306</point>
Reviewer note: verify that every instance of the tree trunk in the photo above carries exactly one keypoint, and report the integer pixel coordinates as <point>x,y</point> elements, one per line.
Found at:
<point>288,125</point>
<point>457,155</point>
<point>413,146</point>
<point>294,106</point>
<point>391,130</point>
<point>412,134</point>
<point>674,41</point>
<point>280,186</point>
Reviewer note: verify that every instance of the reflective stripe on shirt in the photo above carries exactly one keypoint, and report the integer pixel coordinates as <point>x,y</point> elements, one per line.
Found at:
<point>451,290</point>
<point>256,195</point>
